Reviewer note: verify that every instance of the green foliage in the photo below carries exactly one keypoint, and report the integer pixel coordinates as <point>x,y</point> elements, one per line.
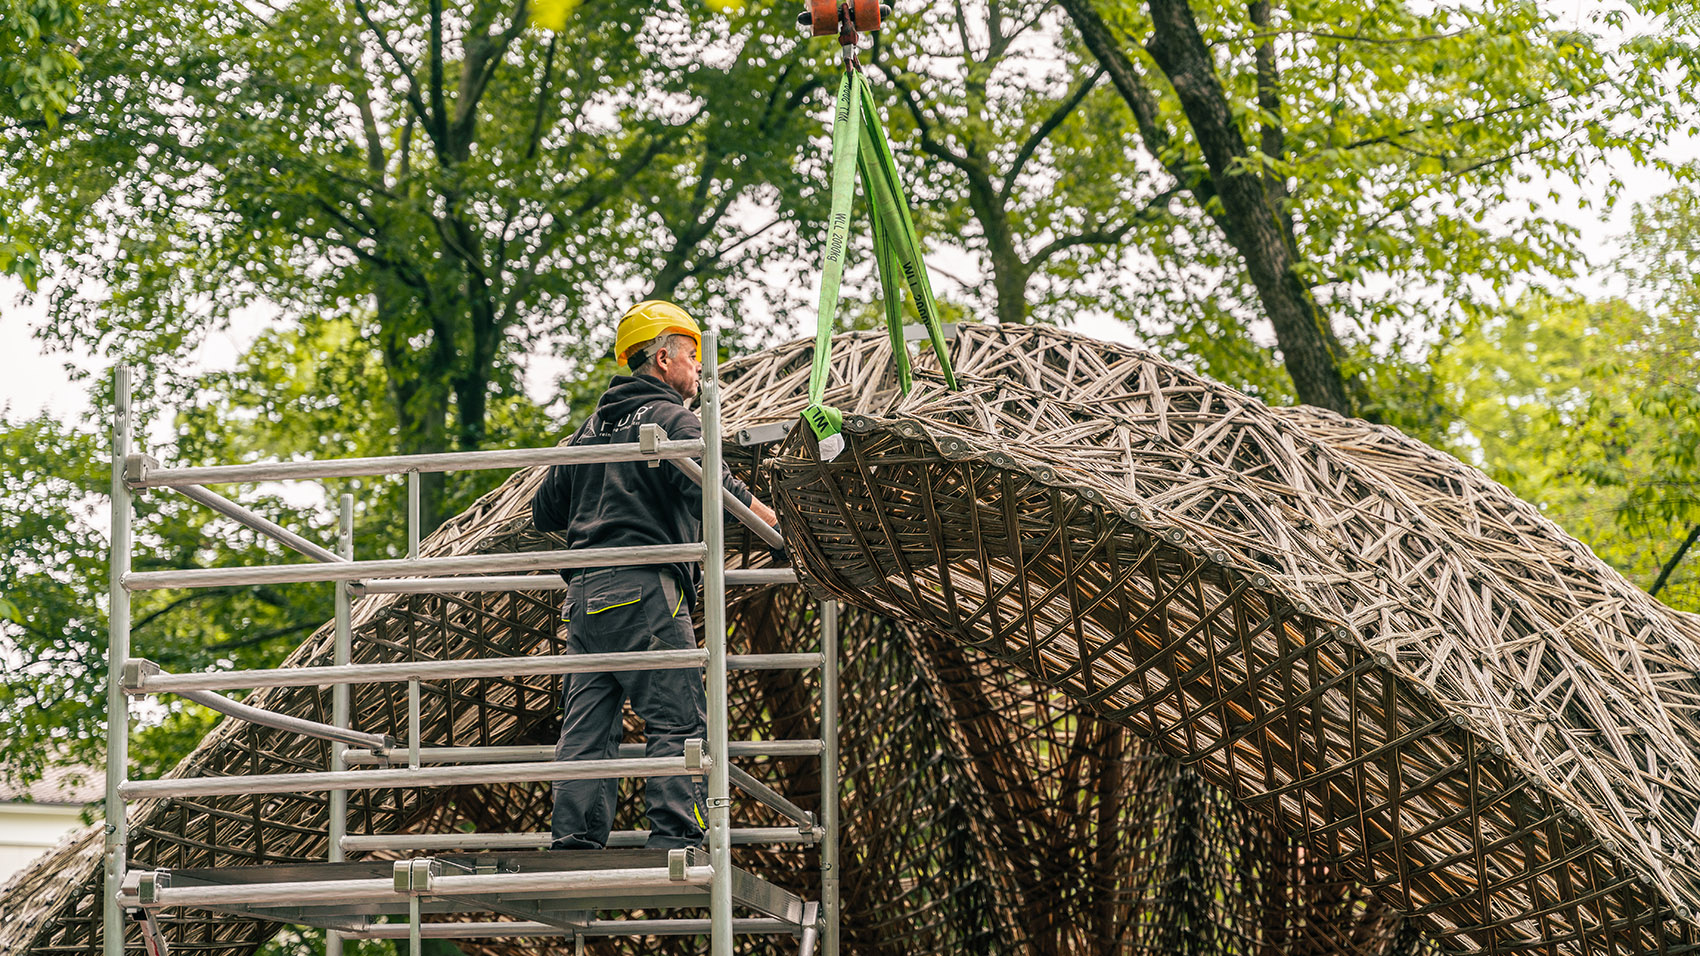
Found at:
<point>55,567</point>
<point>165,740</point>
<point>1587,409</point>
<point>52,702</point>
<point>311,390</point>
<point>222,157</point>
<point>1016,150</point>
<point>308,941</point>
<point>38,74</point>
<point>469,191</point>
<point>1410,146</point>
<point>426,200</point>
<point>317,390</point>
<point>38,60</point>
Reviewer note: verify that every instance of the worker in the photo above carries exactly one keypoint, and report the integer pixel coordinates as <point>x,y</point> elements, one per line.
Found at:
<point>634,607</point>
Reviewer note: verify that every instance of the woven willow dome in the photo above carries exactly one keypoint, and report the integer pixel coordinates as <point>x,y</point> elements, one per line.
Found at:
<point>1438,690</point>
<point>1135,665</point>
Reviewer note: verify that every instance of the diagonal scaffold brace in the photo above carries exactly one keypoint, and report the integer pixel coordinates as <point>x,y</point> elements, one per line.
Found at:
<point>153,941</point>
<point>859,145</point>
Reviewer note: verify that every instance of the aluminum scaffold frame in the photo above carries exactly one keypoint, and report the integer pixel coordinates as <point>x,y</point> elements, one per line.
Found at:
<point>616,878</point>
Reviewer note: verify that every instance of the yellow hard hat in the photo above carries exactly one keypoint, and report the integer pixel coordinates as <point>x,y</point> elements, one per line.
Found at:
<point>651,318</point>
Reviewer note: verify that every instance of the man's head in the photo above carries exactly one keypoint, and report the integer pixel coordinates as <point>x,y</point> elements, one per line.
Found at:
<point>661,340</point>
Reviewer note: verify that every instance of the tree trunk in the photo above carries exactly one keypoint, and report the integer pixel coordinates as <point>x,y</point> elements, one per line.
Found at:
<point>472,384</point>
<point>1009,272</point>
<point>1250,218</point>
<point>420,401</point>
<point>1009,280</point>
<point>1312,354</point>
<point>469,372</point>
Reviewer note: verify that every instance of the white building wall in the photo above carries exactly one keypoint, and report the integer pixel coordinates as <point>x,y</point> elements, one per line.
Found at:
<point>28,830</point>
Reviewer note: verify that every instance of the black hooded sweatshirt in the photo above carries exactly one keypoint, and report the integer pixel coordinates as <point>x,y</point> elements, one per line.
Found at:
<point>623,503</point>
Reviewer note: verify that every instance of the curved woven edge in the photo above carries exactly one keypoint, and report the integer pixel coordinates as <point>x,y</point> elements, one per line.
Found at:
<point>1389,651</point>
<point>989,812</point>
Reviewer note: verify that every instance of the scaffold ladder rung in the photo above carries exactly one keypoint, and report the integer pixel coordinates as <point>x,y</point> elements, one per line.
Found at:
<point>529,889</point>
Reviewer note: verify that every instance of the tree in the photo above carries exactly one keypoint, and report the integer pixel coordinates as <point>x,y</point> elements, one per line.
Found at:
<point>38,60</point>
<point>317,390</point>
<point>1022,152</point>
<point>420,228</point>
<point>53,653</point>
<point>38,66</point>
<point>470,191</point>
<point>1353,158</point>
<point>743,150</point>
<point>1588,409</point>
<point>1663,262</point>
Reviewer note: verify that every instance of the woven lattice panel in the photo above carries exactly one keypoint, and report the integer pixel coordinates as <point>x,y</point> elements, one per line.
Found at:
<point>986,814</point>
<point>54,906</point>
<point>990,807</point>
<point>982,814</point>
<point>1441,693</point>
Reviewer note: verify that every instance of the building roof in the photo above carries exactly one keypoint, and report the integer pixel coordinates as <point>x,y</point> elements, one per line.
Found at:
<point>71,785</point>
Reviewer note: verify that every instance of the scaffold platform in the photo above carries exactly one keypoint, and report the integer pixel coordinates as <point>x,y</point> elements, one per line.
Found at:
<point>557,892</point>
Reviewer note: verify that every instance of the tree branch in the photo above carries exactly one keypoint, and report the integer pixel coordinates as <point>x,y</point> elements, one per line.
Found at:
<point>1486,114</point>
<point>261,637</point>
<point>412,85</point>
<point>483,56</point>
<point>1343,37</point>
<point>962,28</point>
<point>1274,139</point>
<point>1098,237</point>
<point>559,224</point>
<point>438,117</point>
<point>1411,200</point>
<point>800,95</point>
<point>721,253</point>
<point>1142,103</point>
<point>1028,24</point>
<point>1046,128</point>
<point>405,272</point>
<point>930,145</point>
<point>180,602</point>
<point>354,54</point>
<point>1675,559</point>
<point>535,138</point>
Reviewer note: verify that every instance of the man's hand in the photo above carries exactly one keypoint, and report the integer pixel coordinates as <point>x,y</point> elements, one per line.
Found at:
<point>780,555</point>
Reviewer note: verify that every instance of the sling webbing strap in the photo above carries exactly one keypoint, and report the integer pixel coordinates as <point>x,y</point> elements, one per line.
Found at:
<point>859,144</point>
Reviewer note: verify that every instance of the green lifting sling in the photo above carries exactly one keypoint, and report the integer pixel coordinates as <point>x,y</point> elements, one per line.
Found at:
<point>858,142</point>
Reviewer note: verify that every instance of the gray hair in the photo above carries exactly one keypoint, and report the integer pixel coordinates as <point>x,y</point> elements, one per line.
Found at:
<point>642,358</point>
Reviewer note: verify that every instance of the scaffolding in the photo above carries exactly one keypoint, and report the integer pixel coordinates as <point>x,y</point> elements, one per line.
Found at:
<point>540,892</point>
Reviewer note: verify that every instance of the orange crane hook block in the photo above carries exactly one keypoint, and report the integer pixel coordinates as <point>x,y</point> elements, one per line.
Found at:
<point>826,18</point>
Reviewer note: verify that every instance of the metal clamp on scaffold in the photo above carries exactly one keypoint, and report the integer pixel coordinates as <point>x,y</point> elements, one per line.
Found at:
<point>414,877</point>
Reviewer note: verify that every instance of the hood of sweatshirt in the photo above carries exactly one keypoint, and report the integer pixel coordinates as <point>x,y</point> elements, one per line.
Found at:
<point>628,394</point>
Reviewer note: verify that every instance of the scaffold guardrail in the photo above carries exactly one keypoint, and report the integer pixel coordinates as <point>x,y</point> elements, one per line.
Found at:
<point>363,760</point>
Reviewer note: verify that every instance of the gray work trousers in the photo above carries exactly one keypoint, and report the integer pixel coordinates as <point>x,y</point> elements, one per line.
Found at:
<point>629,609</point>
